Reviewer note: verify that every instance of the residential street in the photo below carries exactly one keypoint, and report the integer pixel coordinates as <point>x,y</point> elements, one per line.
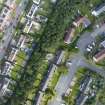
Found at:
<point>77,61</point>
<point>65,80</point>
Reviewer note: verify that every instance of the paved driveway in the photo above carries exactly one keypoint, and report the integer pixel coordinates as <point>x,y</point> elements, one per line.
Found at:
<point>84,40</point>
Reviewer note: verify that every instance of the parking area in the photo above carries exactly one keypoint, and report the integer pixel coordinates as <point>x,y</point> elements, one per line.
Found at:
<point>88,38</point>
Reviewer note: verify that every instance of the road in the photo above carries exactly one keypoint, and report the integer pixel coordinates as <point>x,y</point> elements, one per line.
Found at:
<point>78,61</point>
<point>10,30</point>
<point>65,80</point>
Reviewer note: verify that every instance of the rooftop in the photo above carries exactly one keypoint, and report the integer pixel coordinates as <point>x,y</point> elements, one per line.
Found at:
<point>99,56</point>
<point>69,35</point>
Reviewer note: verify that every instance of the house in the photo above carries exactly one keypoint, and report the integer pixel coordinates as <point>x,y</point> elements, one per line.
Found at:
<point>32,11</point>
<point>30,24</point>
<point>85,85</point>
<point>48,77</point>
<point>41,18</point>
<point>81,99</point>
<point>11,4</point>
<point>98,10</point>
<point>6,14</point>
<point>99,56</point>
<point>38,98</point>
<point>102,44</point>
<point>21,41</point>
<point>84,89</point>
<point>69,35</point>
<point>37,1</point>
<point>6,69</point>
<point>59,57</point>
<point>5,18</point>
<point>45,82</point>
<point>4,82</point>
<point>82,20</point>
<point>13,54</point>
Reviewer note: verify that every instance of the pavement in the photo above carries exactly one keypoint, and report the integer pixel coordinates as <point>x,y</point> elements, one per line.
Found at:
<point>10,30</point>
<point>89,37</point>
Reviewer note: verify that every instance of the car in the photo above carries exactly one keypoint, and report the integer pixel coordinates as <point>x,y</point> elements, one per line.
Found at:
<point>69,63</point>
<point>89,46</point>
<point>88,49</point>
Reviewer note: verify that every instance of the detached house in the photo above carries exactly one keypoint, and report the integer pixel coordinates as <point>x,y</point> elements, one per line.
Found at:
<point>99,56</point>
<point>5,18</point>
<point>11,4</point>
<point>6,14</point>
<point>69,35</point>
<point>32,11</point>
<point>59,57</point>
<point>84,21</point>
<point>98,10</point>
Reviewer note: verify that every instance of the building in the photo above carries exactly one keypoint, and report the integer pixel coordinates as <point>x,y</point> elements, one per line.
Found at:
<point>6,69</point>
<point>81,99</point>
<point>38,98</point>
<point>41,18</point>
<point>6,14</point>
<point>5,18</point>
<point>102,44</point>
<point>99,56</point>
<point>11,4</point>
<point>21,41</point>
<point>4,82</point>
<point>85,85</point>
<point>32,11</point>
<point>84,90</point>
<point>82,20</point>
<point>59,57</point>
<point>98,10</point>
<point>13,54</point>
<point>69,35</point>
<point>48,77</point>
<point>30,24</point>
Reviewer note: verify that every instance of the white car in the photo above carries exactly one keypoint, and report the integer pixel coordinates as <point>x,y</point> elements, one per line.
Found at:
<point>88,49</point>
